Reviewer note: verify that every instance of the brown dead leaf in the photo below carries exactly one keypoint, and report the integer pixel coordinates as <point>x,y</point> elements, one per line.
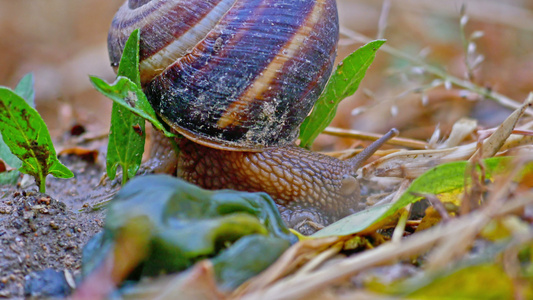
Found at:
<point>412,164</point>
<point>431,218</point>
<point>458,233</point>
<point>89,155</point>
<point>460,130</point>
<point>495,142</point>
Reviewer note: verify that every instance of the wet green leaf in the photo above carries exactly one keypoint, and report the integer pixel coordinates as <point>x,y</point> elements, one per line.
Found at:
<point>343,83</point>
<point>127,133</point>
<point>26,135</point>
<point>242,232</point>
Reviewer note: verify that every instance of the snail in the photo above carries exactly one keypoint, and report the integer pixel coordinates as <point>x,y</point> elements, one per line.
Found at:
<point>237,78</point>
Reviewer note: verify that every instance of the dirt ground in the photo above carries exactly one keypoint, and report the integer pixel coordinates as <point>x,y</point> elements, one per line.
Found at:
<point>48,231</point>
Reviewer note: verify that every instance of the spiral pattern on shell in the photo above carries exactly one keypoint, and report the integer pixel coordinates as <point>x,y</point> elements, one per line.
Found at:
<point>231,74</point>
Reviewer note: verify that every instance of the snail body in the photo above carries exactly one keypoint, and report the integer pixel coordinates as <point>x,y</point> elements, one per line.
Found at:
<point>237,78</point>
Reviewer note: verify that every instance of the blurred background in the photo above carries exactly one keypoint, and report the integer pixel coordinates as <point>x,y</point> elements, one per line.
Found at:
<point>64,41</point>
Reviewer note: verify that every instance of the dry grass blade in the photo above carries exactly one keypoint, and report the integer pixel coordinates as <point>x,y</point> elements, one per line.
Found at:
<point>293,258</point>
<point>355,134</point>
<point>303,285</point>
<point>466,84</point>
<point>411,164</point>
<point>457,245</point>
<point>197,283</point>
<point>494,143</point>
<point>460,130</point>
<point>437,204</point>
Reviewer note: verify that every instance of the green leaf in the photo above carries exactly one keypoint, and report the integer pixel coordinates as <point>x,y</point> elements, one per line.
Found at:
<point>485,281</point>
<point>25,89</point>
<point>447,178</point>
<point>9,177</point>
<point>343,83</point>
<point>241,232</point>
<point>479,276</point>
<point>26,135</point>
<point>354,223</point>
<point>7,156</point>
<point>127,133</point>
<point>130,96</point>
<point>246,258</point>
<point>442,179</point>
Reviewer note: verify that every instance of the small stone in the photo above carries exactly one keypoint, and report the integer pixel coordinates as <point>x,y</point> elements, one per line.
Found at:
<point>46,284</point>
<point>54,225</point>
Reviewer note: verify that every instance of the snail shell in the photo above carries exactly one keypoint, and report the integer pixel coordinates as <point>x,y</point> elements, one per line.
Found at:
<point>231,74</point>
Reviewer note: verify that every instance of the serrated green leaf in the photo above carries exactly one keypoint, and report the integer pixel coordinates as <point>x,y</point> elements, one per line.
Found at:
<point>441,179</point>
<point>127,133</point>
<point>25,89</point>
<point>127,94</point>
<point>343,83</point>
<point>26,135</point>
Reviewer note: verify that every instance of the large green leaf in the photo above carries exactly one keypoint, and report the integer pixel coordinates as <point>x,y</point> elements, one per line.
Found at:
<point>26,135</point>
<point>343,83</point>
<point>241,232</point>
<point>127,133</point>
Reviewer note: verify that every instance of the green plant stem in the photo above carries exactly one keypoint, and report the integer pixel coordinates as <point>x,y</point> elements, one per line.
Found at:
<point>468,85</point>
<point>125,177</point>
<point>42,183</point>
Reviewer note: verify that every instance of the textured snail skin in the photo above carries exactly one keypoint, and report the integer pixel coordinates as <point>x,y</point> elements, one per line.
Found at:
<point>311,190</point>
<point>245,75</point>
<point>299,180</point>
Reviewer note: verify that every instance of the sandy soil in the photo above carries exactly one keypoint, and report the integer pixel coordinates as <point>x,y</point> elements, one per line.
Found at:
<point>48,231</point>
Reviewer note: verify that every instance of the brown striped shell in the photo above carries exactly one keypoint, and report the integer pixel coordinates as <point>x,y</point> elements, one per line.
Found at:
<point>231,74</point>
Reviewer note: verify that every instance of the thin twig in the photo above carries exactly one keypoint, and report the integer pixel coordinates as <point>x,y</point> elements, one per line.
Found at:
<point>382,23</point>
<point>300,286</point>
<point>355,134</point>
<point>436,203</point>
<point>465,84</point>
